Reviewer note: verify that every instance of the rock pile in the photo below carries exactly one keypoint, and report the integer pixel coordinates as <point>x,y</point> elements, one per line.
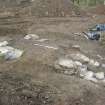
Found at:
<point>77,64</point>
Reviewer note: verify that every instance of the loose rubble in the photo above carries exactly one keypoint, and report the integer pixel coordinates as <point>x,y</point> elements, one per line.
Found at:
<point>76,47</point>
<point>65,66</point>
<point>4,43</point>
<point>100,57</point>
<point>77,33</point>
<point>67,63</point>
<point>100,75</point>
<point>8,52</point>
<point>79,57</point>
<point>77,64</point>
<point>31,36</point>
<point>82,70</point>
<point>94,63</point>
<point>42,40</point>
<point>46,46</point>
<point>89,76</point>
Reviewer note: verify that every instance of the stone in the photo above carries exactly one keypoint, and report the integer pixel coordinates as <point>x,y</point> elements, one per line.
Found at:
<point>42,40</point>
<point>80,57</point>
<point>87,75</point>
<point>31,36</point>
<point>68,63</point>
<point>100,57</point>
<point>77,33</point>
<point>83,70</point>
<point>76,46</point>
<point>94,63</point>
<point>100,75</point>
<point>92,79</point>
<point>69,72</point>
<point>78,63</point>
<point>65,66</point>
<point>46,46</point>
<point>90,76</point>
<point>4,43</point>
<point>10,53</point>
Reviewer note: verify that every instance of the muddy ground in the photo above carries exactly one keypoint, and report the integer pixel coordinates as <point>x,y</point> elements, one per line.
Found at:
<point>32,79</point>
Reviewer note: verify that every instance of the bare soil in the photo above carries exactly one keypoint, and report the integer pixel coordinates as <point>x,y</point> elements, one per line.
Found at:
<point>32,79</point>
<point>99,9</point>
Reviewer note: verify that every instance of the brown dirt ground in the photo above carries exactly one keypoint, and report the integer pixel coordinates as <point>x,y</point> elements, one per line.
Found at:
<point>99,9</point>
<point>32,80</point>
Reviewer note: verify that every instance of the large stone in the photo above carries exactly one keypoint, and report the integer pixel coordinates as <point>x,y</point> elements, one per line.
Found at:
<point>79,64</point>
<point>79,57</point>
<point>4,43</point>
<point>67,63</point>
<point>90,76</point>
<point>66,66</point>
<point>10,53</point>
<point>94,63</point>
<point>82,70</point>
